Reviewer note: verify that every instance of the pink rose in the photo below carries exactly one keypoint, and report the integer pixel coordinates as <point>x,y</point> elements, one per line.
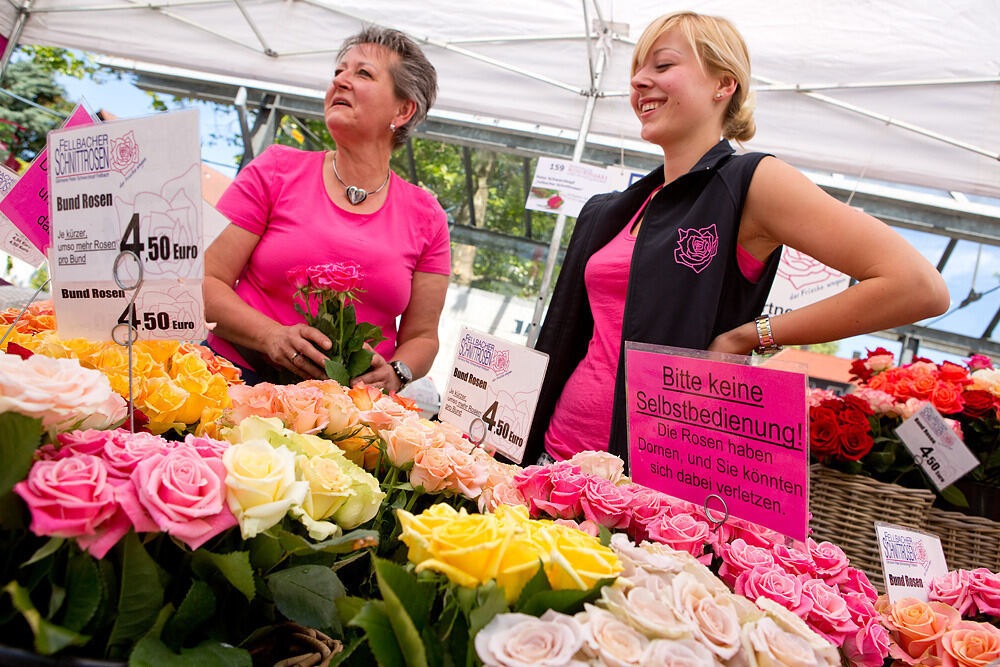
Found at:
<point>828,615</point>
<point>336,277</point>
<point>978,362</point>
<point>606,504</point>
<point>682,532</point>
<point>499,494</point>
<point>124,453</point>
<point>564,501</point>
<point>793,560</point>
<point>738,557</point>
<point>588,527</point>
<point>73,497</point>
<point>775,584</point>
<point>868,647</point>
<point>831,561</point>
<point>208,448</point>
<point>467,474</point>
<point>861,608</point>
<point>297,277</point>
<point>985,588</point>
<point>647,505</point>
<point>72,443</point>
<point>953,589</point>
<point>756,534</point>
<point>260,400</point>
<point>857,582</point>
<point>535,482</point>
<point>184,494</point>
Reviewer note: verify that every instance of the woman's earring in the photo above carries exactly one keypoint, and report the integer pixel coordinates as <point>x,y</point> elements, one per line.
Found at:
<point>392,127</point>
<point>718,96</point>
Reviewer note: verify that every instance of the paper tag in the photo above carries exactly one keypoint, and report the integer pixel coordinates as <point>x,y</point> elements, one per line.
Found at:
<point>12,241</point>
<point>699,426</point>
<point>129,185</point>
<point>911,559</point>
<point>936,448</point>
<point>27,203</point>
<point>498,382</point>
<point>564,186</point>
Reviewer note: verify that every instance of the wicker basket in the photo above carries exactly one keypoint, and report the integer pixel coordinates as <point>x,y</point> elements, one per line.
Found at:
<point>845,508</point>
<point>968,541</point>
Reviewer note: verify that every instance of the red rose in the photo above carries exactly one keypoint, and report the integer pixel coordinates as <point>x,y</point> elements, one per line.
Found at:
<point>951,372</point>
<point>855,441</point>
<point>855,403</point>
<point>823,431</point>
<point>978,403</point>
<point>860,370</point>
<point>947,398</point>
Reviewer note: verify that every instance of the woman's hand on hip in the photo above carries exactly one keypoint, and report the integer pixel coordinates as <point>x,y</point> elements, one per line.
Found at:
<point>380,375</point>
<point>299,349</point>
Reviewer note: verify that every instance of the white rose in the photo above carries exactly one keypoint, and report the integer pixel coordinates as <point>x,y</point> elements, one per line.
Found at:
<point>767,645</point>
<point>608,638</point>
<point>676,653</point>
<point>651,557</point>
<point>645,610</point>
<point>519,640</point>
<point>601,464</point>
<point>826,653</point>
<point>62,393</point>
<point>714,623</point>
<point>261,485</point>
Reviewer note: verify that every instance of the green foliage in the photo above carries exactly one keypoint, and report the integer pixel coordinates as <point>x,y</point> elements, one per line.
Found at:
<point>307,595</point>
<point>26,126</point>
<point>19,438</point>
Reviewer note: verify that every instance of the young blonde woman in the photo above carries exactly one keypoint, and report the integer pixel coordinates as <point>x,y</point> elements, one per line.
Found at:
<point>686,256</point>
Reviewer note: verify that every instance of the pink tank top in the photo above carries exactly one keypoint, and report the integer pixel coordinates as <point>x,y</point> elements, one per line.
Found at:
<point>582,416</point>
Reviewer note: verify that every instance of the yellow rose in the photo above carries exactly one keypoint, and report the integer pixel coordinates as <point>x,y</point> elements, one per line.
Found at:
<point>329,486</point>
<point>261,485</point>
<point>160,350</point>
<point>162,400</point>
<point>577,560</point>
<point>467,549</point>
<point>417,529</point>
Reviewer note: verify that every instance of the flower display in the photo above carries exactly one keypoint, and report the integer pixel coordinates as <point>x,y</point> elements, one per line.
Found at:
<point>934,633</point>
<point>323,296</point>
<point>856,433</point>
<point>175,385</point>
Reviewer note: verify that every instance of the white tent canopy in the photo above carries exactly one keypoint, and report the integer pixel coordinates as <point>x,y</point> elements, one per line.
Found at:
<point>905,91</point>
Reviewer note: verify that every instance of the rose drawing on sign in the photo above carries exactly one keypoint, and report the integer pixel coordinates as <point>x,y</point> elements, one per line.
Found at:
<point>696,247</point>
<point>501,362</point>
<point>124,153</point>
<point>801,270</point>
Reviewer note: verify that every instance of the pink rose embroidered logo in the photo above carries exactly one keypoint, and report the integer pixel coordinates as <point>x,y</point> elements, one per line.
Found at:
<point>696,247</point>
<point>124,153</point>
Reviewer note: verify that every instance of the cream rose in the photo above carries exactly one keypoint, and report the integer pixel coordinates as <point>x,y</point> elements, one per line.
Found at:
<point>515,640</point>
<point>676,653</point>
<point>600,464</point>
<point>649,556</point>
<point>645,610</point>
<point>329,486</point>
<point>342,413</point>
<point>715,624</point>
<point>62,393</point>
<point>609,639</point>
<point>261,485</point>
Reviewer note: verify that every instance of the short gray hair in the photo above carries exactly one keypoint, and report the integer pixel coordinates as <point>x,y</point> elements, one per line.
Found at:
<point>414,77</point>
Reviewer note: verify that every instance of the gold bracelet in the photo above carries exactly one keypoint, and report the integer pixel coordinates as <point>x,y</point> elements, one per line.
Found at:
<point>765,337</point>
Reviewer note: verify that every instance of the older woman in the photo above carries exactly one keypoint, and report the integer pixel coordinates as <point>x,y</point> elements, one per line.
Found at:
<point>292,208</point>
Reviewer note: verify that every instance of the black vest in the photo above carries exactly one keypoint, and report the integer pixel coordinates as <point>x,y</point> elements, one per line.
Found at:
<point>685,286</point>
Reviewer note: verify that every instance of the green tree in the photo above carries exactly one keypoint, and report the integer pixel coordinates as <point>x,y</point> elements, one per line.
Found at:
<point>25,126</point>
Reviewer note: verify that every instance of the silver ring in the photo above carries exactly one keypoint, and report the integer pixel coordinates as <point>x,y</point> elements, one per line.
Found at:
<point>293,357</point>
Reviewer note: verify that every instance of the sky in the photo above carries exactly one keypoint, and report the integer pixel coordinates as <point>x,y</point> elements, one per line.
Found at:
<point>972,267</point>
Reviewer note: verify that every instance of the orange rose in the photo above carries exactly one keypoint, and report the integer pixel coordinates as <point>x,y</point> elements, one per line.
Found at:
<point>918,626</point>
<point>969,644</point>
<point>364,397</point>
<point>947,398</point>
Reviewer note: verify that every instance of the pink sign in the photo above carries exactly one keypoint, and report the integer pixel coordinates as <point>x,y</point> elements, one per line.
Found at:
<point>27,203</point>
<point>698,427</point>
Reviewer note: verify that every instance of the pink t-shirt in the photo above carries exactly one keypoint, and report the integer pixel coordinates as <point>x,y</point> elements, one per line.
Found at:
<point>582,416</point>
<point>281,197</point>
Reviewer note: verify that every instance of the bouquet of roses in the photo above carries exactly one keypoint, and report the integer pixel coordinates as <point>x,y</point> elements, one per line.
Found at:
<point>324,294</point>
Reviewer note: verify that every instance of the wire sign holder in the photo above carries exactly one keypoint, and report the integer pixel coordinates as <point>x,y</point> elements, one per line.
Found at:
<point>128,324</point>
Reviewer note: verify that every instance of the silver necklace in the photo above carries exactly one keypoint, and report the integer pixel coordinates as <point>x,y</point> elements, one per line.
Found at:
<point>356,195</point>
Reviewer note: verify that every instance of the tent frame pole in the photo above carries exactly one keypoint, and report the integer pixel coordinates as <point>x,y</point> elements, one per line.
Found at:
<point>15,36</point>
<point>557,232</point>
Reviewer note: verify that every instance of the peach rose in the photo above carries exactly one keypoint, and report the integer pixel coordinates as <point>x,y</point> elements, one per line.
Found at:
<point>431,470</point>
<point>918,625</point>
<point>304,408</point>
<point>969,644</point>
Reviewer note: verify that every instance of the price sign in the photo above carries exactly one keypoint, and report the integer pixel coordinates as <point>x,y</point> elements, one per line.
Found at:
<point>911,559</point>
<point>703,424</point>
<point>564,186</point>
<point>12,240</point>
<point>937,449</point>
<point>27,202</point>
<point>492,391</point>
<point>128,186</point>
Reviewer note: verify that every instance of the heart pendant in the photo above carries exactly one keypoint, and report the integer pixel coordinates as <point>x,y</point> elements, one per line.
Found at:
<point>356,195</point>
